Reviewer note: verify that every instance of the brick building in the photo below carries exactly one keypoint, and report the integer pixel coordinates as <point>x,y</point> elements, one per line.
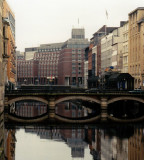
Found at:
<point>39,65</point>
<point>27,71</point>
<point>71,59</point>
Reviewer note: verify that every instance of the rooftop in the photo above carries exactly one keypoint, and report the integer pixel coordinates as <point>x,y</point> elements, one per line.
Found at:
<point>139,8</point>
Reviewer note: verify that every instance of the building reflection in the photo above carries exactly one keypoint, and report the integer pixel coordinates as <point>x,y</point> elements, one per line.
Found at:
<point>10,141</point>
<point>71,109</point>
<point>103,144</point>
<point>74,138</point>
<point>136,145</point>
<point>30,108</point>
<point>7,142</point>
<point>1,137</point>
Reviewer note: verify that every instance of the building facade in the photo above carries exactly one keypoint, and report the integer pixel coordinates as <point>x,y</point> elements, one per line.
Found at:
<point>9,44</point>
<point>111,50</point>
<point>125,48</point>
<point>86,68</point>
<point>39,65</point>
<point>71,59</point>
<point>27,72</point>
<point>136,47</point>
<point>1,57</point>
<point>94,57</point>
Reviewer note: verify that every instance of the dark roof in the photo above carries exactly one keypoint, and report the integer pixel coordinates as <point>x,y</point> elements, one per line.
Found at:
<point>107,29</point>
<point>120,76</point>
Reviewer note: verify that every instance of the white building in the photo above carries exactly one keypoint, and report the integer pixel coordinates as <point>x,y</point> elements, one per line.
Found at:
<point>111,50</point>
<point>125,48</point>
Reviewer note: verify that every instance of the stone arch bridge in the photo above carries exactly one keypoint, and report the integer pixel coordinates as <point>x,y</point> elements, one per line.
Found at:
<point>51,99</point>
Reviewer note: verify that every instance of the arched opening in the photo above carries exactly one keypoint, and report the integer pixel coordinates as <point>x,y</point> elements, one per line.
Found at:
<point>126,109</point>
<point>77,109</point>
<point>27,109</point>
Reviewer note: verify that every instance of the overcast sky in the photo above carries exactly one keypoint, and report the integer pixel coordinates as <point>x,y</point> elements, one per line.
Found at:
<point>50,21</point>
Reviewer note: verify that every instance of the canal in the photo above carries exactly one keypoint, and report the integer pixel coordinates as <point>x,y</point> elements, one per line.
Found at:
<point>112,141</point>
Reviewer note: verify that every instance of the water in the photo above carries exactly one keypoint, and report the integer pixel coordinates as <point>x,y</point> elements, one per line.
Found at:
<point>67,142</point>
<point>38,144</point>
<point>113,142</point>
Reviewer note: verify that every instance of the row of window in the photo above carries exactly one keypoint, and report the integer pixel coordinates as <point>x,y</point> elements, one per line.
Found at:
<point>54,54</point>
<point>49,49</point>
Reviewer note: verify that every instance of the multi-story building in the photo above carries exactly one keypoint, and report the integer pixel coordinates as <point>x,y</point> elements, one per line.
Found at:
<point>48,57</point>
<point>86,68</point>
<point>125,48</point>
<point>94,56</point>
<point>9,43</point>
<point>136,46</point>
<point>71,59</point>
<point>39,65</point>
<point>111,50</point>
<point>27,71</point>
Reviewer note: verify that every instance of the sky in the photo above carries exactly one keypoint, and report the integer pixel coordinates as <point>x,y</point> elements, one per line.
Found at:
<point>51,21</point>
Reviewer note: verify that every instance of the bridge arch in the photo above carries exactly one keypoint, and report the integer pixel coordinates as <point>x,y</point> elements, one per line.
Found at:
<point>125,98</point>
<point>27,98</point>
<point>85,98</point>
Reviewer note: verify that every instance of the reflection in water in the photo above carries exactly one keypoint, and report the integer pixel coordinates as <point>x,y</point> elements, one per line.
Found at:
<point>7,142</point>
<point>72,109</point>
<point>60,142</point>
<point>77,108</point>
<point>30,108</point>
<point>39,143</point>
<point>88,143</point>
<point>1,137</point>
